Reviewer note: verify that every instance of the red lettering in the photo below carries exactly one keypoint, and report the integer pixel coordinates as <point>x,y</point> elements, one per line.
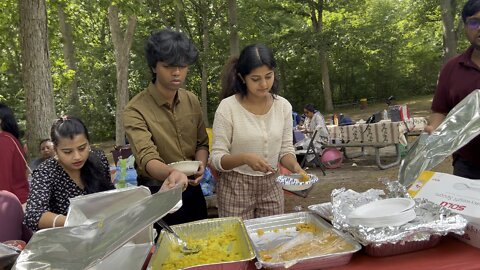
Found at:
<point>453,206</point>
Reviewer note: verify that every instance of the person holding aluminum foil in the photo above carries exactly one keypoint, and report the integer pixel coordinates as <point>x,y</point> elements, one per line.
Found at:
<point>458,78</point>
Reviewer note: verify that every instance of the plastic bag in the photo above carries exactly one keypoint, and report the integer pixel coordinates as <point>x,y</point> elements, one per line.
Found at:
<point>126,174</point>
<point>208,183</point>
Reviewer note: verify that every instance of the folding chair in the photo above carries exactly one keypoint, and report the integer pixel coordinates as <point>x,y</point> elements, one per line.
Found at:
<point>311,151</point>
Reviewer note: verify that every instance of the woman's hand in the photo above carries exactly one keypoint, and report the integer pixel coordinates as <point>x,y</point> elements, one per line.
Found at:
<point>257,163</point>
<point>175,178</point>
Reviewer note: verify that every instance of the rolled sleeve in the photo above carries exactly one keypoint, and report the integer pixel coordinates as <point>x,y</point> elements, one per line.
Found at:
<point>221,144</point>
<point>202,137</point>
<point>287,138</point>
<point>140,138</point>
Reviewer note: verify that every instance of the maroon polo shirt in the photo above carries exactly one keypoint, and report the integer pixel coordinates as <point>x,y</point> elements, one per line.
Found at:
<point>458,78</point>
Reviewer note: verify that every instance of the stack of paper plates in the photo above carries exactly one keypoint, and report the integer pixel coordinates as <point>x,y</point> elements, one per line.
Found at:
<point>382,213</point>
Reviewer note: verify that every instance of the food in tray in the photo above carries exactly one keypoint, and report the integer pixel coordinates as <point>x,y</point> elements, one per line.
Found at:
<point>217,246</point>
<point>306,227</point>
<point>306,244</point>
<point>260,232</point>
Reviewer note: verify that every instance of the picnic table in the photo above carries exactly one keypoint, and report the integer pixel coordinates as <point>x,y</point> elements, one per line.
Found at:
<point>377,135</point>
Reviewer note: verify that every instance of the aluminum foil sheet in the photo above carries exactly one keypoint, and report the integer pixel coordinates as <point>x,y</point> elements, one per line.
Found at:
<point>88,245</point>
<point>198,230</point>
<point>431,219</point>
<point>8,254</point>
<point>281,230</point>
<point>460,126</point>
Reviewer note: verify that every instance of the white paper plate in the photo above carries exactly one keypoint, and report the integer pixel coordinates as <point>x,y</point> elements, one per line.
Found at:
<point>290,182</point>
<point>388,212</point>
<point>392,220</point>
<point>189,167</point>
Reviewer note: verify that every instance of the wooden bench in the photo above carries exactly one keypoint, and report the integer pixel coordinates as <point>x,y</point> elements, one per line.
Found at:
<point>343,147</point>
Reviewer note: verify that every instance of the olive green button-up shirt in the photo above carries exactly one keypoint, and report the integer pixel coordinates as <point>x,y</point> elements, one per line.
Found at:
<point>157,132</point>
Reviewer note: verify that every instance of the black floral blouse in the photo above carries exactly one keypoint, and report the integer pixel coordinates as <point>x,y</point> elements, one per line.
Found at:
<point>52,188</point>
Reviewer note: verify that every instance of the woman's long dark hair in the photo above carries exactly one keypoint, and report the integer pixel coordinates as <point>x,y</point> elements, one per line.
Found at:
<point>92,173</point>
<point>9,123</point>
<point>251,57</point>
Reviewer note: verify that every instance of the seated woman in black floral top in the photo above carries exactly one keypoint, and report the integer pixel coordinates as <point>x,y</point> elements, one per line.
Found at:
<point>76,170</point>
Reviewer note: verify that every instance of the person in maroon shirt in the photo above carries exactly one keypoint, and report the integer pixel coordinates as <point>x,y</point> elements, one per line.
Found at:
<point>13,167</point>
<point>458,78</point>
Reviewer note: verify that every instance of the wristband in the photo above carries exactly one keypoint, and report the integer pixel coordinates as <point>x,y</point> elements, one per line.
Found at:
<point>55,220</point>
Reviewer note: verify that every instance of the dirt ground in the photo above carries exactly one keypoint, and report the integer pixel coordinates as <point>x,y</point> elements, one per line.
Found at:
<point>360,173</point>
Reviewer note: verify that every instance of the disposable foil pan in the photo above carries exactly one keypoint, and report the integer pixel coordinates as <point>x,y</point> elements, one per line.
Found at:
<point>389,249</point>
<point>8,255</point>
<point>198,230</point>
<point>324,210</point>
<point>283,227</point>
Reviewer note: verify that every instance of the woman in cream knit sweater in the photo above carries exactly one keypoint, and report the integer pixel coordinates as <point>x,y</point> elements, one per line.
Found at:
<point>252,134</point>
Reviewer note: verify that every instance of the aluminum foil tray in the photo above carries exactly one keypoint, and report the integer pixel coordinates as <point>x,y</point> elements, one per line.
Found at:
<point>324,210</point>
<point>386,249</point>
<point>198,230</point>
<point>282,228</point>
<point>389,249</point>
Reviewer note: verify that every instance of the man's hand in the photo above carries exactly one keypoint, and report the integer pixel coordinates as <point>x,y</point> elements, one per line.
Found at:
<point>175,178</point>
<point>198,176</point>
<point>434,121</point>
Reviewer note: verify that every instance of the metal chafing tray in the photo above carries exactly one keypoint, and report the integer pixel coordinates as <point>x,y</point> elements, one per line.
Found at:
<point>279,229</point>
<point>105,230</point>
<point>198,230</point>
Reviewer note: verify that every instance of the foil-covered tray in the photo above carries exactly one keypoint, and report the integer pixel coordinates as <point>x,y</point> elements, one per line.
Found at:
<point>112,235</point>
<point>8,255</point>
<point>273,231</point>
<point>202,230</point>
<point>323,209</point>
<point>416,242</point>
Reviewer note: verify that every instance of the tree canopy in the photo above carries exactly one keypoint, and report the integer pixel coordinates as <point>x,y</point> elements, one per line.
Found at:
<point>375,48</point>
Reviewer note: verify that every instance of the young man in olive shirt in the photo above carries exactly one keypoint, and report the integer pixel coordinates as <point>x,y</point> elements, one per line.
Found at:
<point>164,123</point>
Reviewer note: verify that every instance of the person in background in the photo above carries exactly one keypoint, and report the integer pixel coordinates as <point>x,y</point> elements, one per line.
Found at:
<point>46,151</point>
<point>252,134</point>
<point>458,78</point>
<point>164,124</point>
<point>76,170</point>
<point>314,121</point>
<point>13,165</point>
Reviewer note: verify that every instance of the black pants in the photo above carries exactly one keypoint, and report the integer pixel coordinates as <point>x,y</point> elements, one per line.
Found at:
<point>464,168</point>
<point>194,206</point>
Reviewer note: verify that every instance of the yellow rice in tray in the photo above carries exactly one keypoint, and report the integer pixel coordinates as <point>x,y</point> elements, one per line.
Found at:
<point>216,247</point>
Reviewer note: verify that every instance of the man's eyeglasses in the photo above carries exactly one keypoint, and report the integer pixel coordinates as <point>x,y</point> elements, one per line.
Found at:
<point>473,23</point>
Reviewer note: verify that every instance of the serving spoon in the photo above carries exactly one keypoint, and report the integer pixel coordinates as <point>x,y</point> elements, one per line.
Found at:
<point>184,247</point>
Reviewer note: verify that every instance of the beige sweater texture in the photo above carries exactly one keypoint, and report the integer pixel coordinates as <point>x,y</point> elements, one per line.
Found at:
<point>236,130</point>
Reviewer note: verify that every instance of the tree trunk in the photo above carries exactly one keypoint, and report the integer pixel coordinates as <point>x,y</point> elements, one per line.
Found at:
<point>36,76</point>
<point>449,31</point>
<point>327,92</point>
<point>317,17</point>
<point>69,57</point>
<point>205,45</point>
<point>233,26</point>
<point>178,14</point>
<point>122,43</point>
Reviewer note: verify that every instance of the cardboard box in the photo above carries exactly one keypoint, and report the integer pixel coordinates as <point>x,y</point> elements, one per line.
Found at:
<point>460,195</point>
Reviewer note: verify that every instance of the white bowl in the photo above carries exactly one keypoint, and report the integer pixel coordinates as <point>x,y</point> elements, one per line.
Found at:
<point>381,213</point>
<point>189,167</point>
<point>290,182</point>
